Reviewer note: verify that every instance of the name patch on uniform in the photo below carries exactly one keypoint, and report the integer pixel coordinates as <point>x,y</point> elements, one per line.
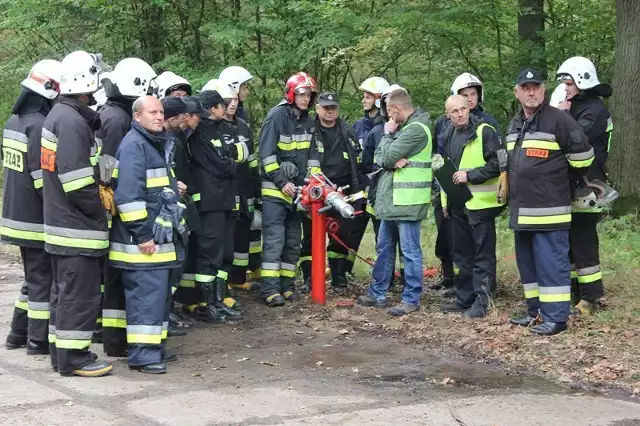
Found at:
<point>538,153</point>
<point>12,159</point>
<point>47,159</point>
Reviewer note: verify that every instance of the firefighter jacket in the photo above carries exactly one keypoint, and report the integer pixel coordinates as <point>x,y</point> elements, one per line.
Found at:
<point>474,149</point>
<point>338,152</point>
<point>284,137</point>
<point>247,181</point>
<point>143,172</point>
<point>214,164</point>
<point>404,194</point>
<point>593,116</point>
<point>22,221</point>
<point>369,165</point>
<point>547,152</point>
<point>363,126</point>
<point>115,122</point>
<point>75,222</point>
<point>181,158</point>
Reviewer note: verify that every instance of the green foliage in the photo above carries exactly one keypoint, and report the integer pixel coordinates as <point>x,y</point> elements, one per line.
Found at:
<point>422,45</point>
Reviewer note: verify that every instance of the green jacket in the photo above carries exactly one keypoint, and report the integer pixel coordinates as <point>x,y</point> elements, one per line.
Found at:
<point>404,143</point>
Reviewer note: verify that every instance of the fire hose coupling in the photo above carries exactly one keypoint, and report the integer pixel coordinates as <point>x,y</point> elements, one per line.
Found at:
<point>336,201</point>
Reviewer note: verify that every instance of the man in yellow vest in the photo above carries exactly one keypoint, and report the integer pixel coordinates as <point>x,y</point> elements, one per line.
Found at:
<point>402,199</point>
<point>472,146</point>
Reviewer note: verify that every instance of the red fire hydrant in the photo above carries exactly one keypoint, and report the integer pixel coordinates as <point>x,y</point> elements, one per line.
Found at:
<point>319,195</point>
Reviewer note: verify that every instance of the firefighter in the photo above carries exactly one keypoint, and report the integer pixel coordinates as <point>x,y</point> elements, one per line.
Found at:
<point>214,163</point>
<point>338,150</point>
<point>130,79</point>
<point>402,196</point>
<point>472,145</point>
<point>469,86</point>
<point>547,151</point>
<point>187,294</point>
<point>170,84</point>
<point>145,243</point>
<point>247,185</point>
<point>75,223</point>
<point>284,146</point>
<point>238,79</point>
<point>584,94</point>
<point>372,88</point>
<point>22,221</point>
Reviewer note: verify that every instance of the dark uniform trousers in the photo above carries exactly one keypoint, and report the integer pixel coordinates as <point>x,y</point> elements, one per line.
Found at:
<point>586,275</point>
<point>474,252</point>
<point>188,294</point>
<point>214,249</point>
<point>114,316</point>
<point>31,313</point>
<point>75,305</point>
<point>281,249</point>
<point>148,296</point>
<point>543,262</point>
<point>255,249</point>
<point>444,242</point>
<point>241,241</point>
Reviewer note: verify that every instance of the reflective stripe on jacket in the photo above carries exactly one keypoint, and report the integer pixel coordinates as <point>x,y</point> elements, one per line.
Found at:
<point>547,152</point>
<point>75,220</point>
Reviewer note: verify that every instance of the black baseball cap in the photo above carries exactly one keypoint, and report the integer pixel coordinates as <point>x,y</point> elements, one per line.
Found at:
<point>174,106</point>
<point>198,108</point>
<point>328,99</point>
<point>529,75</point>
<point>210,98</point>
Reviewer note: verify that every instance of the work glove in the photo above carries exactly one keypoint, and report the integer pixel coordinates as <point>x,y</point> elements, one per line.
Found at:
<point>290,170</point>
<point>503,187</point>
<point>108,202</point>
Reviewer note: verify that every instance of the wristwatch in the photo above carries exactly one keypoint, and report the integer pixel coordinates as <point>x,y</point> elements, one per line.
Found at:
<point>387,133</point>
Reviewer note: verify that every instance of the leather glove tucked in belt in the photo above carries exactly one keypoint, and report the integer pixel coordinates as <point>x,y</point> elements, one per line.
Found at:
<point>106,195</point>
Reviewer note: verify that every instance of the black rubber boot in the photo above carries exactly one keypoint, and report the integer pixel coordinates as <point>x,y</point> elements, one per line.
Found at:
<point>15,342</point>
<point>274,300</point>
<point>37,348</point>
<point>223,302</point>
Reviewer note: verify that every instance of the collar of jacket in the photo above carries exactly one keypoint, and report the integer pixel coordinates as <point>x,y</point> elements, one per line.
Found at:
<point>292,112</point>
<point>122,102</point>
<point>372,121</point>
<point>91,116</point>
<point>471,128</point>
<point>29,102</point>
<point>157,140</point>
<point>208,122</point>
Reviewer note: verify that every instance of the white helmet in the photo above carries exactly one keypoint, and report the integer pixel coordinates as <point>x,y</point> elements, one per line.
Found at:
<point>224,89</point>
<point>44,78</point>
<point>375,86</point>
<point>581,70</point>
<point>132,77</point>
<point>81,73</point>
<point>558,95</point>
<point>383,96</point>
<point>168,82</point>
<point>235,76</point>
<point>465,80</point>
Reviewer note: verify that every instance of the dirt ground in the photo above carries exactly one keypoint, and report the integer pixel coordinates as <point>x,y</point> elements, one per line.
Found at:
<point>301,364</point>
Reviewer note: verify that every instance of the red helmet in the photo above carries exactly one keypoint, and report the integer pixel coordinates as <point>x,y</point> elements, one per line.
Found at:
<point>296,84</point>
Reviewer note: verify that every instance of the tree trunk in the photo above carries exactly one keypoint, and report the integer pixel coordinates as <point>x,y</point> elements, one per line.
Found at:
<point>530,24</point>
<point>625,143</point>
